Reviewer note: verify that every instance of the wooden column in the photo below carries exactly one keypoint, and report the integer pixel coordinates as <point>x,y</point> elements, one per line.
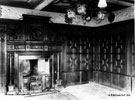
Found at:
<point>52,65</point>
<point>3,62</point>
<point>58,69</point>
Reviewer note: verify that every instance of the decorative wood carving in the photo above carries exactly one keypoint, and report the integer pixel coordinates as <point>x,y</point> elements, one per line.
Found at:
<point>79,60</point>
<point>35,32</point>
<point>86,62</point>
<point>15,32</point>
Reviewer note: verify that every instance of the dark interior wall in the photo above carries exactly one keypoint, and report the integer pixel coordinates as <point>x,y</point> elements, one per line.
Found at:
<point>2,58</point>
<point>103,54</point>
<point>78,55</point>
<point>113,55</point>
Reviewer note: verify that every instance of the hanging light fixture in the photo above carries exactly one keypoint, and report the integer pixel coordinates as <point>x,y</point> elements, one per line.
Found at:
<point>86,12</point>
<point>102,4</point>
<point>101,14</point>
<point>81,9</point>
<point>70,15</point>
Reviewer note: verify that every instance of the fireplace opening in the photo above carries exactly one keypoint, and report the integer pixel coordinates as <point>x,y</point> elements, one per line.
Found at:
<point>33,67</point>
<point>35,74</point>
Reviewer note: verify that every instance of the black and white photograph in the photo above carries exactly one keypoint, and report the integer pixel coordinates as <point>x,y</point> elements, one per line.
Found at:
<point>67,50</point>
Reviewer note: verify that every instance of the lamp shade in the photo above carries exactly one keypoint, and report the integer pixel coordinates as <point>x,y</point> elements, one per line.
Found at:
<point>81,9</point>
<point>101,15</point>
<point>102,4</point>
<point>71,13</point>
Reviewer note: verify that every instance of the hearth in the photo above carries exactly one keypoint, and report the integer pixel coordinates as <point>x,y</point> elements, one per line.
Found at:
<point>35,73</point>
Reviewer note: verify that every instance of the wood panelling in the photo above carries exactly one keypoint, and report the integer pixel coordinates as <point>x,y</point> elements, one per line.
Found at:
<point>96,76</point>
<point>133,84</point>
<point>112,53</point>
<point>105,78</point>
<point>105,57</point>
<point>3,58</point>
<point>79,59</point>
<point>72,63</point>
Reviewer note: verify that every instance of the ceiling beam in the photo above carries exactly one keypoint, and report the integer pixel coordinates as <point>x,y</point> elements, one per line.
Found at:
<point>120,2</point>
<point>15,13</point>
<point>43,4</point>
<point>120,15</point>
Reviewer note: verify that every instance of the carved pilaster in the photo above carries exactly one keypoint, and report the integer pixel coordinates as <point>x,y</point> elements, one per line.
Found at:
<point>3,61</point>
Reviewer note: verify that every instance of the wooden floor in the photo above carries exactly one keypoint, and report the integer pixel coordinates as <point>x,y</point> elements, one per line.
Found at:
<point>90,91</point>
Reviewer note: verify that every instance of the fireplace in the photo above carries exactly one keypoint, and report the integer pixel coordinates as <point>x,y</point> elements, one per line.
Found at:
<point>35,72</point>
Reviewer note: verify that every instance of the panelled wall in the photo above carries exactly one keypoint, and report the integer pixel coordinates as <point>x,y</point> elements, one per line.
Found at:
<point>78,59</point>
<point>3,58</point>
<point>113,55</point>
<point>104,55</point>
<point>112,68</point>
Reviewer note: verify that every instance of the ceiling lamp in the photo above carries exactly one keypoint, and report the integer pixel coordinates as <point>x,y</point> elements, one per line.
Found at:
<point>70,15</point>
<point>101,15</point>
<point>86,12</point>
<point>81,9</point>
<point>102,4</point>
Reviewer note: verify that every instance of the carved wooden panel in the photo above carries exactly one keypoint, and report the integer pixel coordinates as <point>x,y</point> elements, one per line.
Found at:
<point>105,44</point>
<point>3,62</point>
<point>3,53</point>
<point>86,45</point>
<point>110,60</point>
<point>119,54</point>
<point>86,62</point>
<point>72,77</point>
<point>85,76</point>
<point>34,47</point>
<point>122,82</point>
<point>10,67</point>
<point>15,32</point>
<point>105,52</point>
<point>0,56</point>
<point>105,78</point>
<point>73,46</point>
<point>133,62</point>
<point>35,32</point>
<point>79,55</point>
<point>72,63</point>
<point>3,27</point>
<point>96,76</point>
<point>105,62</point>
<point>119,64</point>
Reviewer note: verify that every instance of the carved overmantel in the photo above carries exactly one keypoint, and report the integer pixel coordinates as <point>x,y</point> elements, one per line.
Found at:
<point>31,37</point>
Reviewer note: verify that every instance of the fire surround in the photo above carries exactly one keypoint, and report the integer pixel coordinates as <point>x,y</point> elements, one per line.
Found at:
<point>16,71</point>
